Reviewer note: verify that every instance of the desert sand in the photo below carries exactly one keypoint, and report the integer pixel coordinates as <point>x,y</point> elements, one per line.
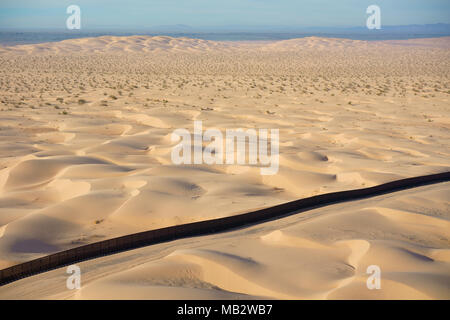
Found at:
<point>85,155</point>
<point>320,254</point>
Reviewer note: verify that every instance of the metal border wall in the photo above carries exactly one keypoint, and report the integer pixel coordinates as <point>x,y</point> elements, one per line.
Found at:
<point>146,238</point>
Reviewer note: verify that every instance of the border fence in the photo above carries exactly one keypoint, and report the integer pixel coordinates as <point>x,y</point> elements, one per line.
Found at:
<point>146,238</point>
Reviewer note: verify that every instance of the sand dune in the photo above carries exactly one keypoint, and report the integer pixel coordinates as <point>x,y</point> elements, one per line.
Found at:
<point>118,45</point>
<point>130,44</point>
<point>85,155</point>
<point>320,254</point>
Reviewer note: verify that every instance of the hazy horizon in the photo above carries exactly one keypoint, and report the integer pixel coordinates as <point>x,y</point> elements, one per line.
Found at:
<point>232,33</point>
<point>201,14</point>
<point>234,28</point>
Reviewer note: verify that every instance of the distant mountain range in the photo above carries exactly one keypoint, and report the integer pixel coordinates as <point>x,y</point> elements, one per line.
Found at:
<point>226,33</point>
<point>438,28</point>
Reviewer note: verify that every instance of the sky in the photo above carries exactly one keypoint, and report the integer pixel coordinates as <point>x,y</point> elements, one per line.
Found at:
<point>142,14</point>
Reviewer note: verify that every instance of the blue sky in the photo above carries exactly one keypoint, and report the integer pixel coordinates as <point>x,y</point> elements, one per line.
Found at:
<point>143,14</point>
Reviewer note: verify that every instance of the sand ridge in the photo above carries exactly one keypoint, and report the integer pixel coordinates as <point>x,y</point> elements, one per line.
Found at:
<point>145,44</point>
